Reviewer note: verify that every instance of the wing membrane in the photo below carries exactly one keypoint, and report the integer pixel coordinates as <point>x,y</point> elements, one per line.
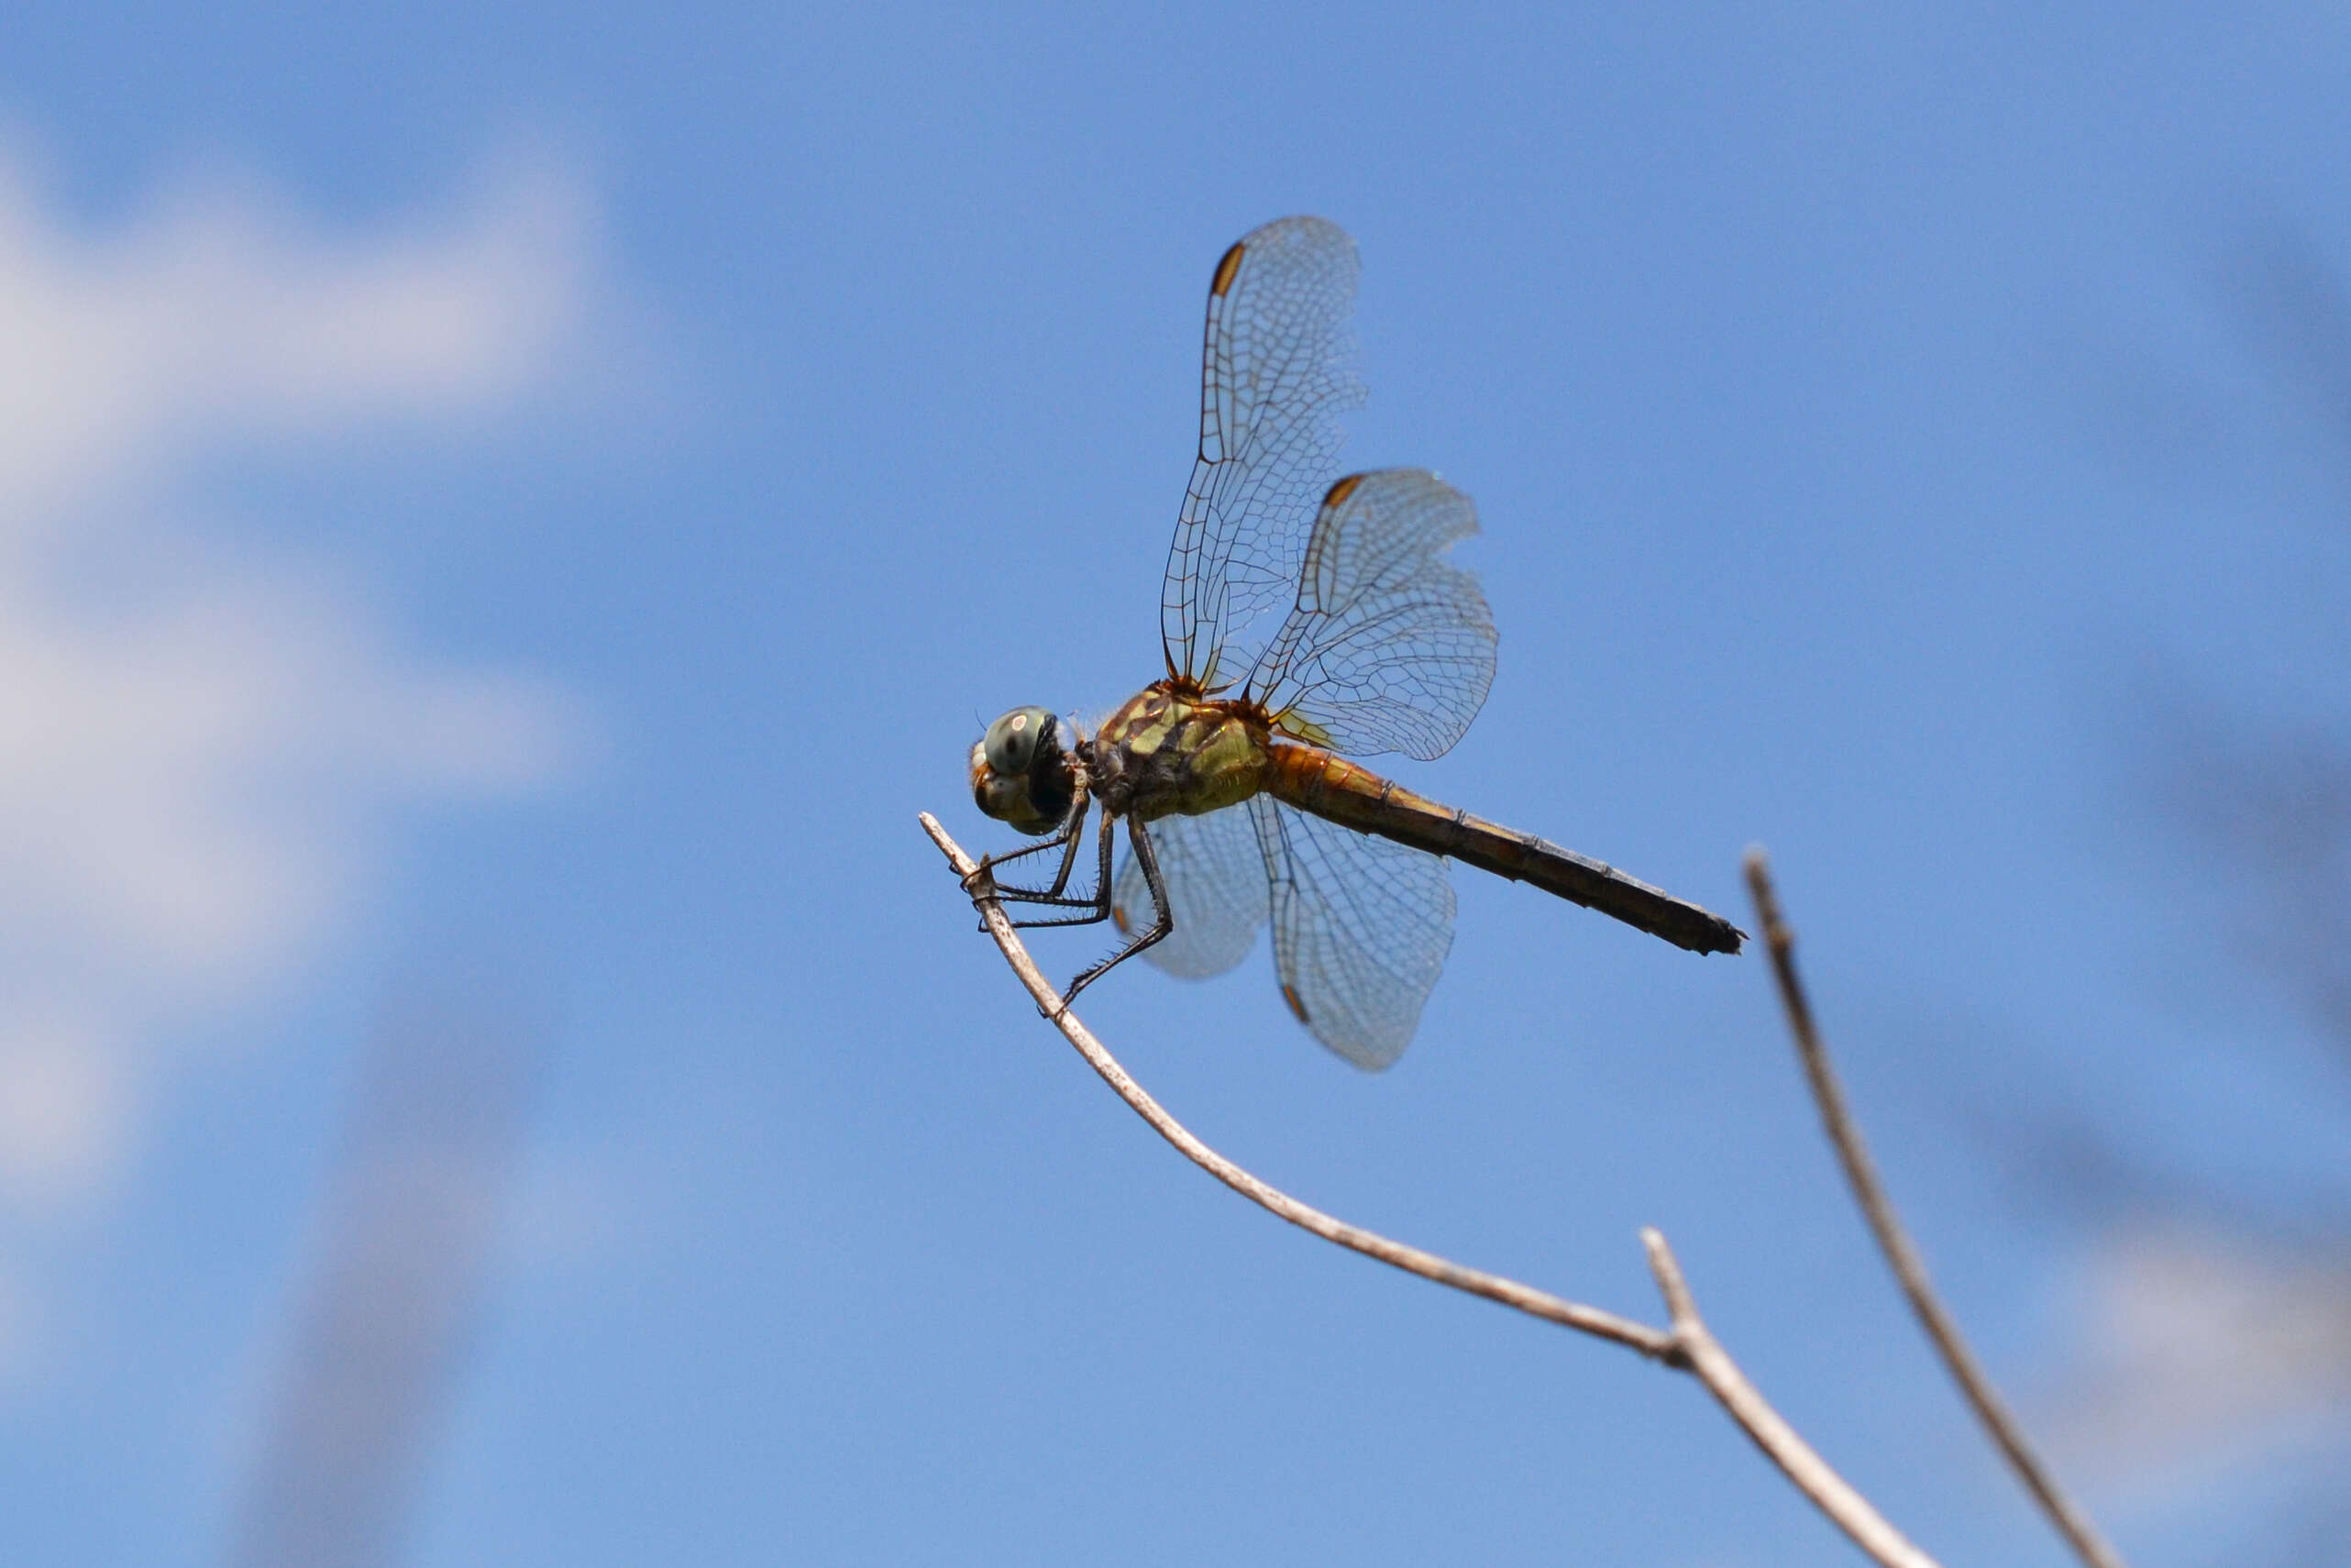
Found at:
<point>1361,929</point>
<point>1361,925</point>
<point>1215,874</point>
<point>1277,369</point>
<point>1389,647</point>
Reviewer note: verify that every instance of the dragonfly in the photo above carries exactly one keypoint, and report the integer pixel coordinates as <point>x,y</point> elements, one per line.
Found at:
<point>1306,619</point>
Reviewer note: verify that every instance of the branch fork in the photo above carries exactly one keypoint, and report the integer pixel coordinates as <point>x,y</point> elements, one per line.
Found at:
<point>1685,1344</point>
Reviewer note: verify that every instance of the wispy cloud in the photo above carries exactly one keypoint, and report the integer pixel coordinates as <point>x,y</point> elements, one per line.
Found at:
<point>202,750</point>
<point>2205,1354</point>
<point>217,314</point>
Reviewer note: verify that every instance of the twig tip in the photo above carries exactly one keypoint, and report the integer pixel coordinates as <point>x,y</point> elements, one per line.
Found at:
<point>947,846</point>
<point>1667,1269</point>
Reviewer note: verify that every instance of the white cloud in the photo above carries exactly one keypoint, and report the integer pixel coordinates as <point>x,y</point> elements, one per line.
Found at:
<point>214,314</point>
<point>2204,1355</point>
<point>201,751</point>
<point>61,1100</point>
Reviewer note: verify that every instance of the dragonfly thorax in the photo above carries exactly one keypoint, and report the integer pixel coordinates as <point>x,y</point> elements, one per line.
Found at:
<point>1171,751</point>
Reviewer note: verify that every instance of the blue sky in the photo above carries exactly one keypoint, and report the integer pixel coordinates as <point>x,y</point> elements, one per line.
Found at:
<point>526,504</point>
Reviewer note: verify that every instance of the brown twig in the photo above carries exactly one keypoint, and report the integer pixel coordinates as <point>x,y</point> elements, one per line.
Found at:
<point>1712,1365</point>
<point>1909,1269</point>
<point>1686,1345</point>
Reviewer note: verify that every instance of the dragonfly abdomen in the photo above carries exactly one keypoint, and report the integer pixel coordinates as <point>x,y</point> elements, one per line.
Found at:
<point>1338,790</point>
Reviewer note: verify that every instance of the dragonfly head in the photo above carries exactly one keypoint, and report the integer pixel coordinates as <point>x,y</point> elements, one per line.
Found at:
<point>1021,774</point>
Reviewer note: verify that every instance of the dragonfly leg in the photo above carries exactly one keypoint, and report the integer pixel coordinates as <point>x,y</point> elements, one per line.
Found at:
<point>1163,919</point>
<point>1097,905</point>
<point>1066,838</point>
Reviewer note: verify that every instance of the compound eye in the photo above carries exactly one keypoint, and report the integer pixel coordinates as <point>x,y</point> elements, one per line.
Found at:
<point>1011,742</point>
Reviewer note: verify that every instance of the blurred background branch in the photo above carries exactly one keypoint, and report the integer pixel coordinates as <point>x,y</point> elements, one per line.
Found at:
<point>399,1264</point>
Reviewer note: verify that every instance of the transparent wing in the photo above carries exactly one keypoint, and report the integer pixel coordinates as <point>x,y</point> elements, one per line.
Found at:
<point>1276,370</point>
<point>1389,646</point>
<point>1215,874</point>
<point>1361,929</point>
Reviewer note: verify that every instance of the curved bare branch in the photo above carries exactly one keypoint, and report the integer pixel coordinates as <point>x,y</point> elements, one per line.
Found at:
<point>1893,1241</point>
<point>1687,1344</point>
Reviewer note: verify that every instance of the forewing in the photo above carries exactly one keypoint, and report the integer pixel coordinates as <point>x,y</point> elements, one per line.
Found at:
<point>1389,646</point>
<point>1215,887</point>
<point>1277,369</point>
<point>1361,929</point>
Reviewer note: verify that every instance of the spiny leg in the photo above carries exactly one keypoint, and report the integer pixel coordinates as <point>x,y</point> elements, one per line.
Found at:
<point>1097,906</point>
<point>1066,838</point>
<point>1163,914</point>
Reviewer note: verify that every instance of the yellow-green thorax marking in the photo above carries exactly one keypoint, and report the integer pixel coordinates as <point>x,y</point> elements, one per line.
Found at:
<point>1170,751</point>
